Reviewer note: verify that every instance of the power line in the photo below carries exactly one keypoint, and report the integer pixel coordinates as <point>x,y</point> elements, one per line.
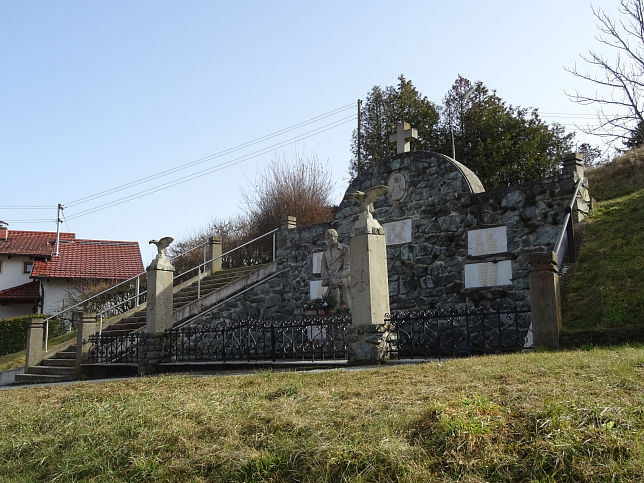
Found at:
<point>17,207</point>
<point>210,157</point>
<point>39,220</point>
<point>218,167</point>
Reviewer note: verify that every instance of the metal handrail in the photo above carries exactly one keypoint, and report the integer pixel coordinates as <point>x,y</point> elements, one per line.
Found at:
<point>567,223</point>
<point>272,232</point>
<point>139,294</point>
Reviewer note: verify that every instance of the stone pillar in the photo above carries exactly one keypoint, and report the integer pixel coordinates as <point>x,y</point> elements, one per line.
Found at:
<point>574,163</point>
<point>288,223</point>
<point>159,309</point>
<point>85,326</point>
<point>215,251</point>
<point>34,342</point>
<point>367,337</point>
<point>545,299</point>
<point>151,354</point>
<point>159,314</point>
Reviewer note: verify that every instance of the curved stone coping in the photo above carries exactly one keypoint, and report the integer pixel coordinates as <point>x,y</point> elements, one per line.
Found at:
<point>472,180</point>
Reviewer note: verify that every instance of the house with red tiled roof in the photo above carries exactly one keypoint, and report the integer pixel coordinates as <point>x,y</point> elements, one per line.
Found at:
<point>33,279</point>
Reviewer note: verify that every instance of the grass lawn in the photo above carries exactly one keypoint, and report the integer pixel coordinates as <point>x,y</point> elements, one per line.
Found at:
<point>566,416</point>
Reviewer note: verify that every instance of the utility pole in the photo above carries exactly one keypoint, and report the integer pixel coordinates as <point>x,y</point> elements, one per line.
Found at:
<point>359,135</point>
<point>58,222</point>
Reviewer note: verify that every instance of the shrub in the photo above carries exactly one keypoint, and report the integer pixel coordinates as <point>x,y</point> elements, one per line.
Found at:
<point>13,332</point>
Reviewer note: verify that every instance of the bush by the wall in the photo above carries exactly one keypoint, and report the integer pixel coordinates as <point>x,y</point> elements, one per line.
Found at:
<point>13,332</point>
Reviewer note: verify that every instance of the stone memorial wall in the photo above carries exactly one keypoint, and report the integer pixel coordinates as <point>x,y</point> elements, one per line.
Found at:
<point>448,241</point>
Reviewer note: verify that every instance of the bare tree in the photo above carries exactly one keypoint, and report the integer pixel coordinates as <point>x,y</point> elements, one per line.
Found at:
<point>619,79</point>
<point>301,189</point>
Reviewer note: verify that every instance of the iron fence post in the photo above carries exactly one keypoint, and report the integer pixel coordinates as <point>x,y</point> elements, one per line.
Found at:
<point>273,340</point>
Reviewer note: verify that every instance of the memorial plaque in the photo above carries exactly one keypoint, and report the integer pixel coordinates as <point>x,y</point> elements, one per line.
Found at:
<point>487,241</point>
<point>397,232</point>
<point>317,262</point>
<point>488,274</point>
<point>397,186</point>
<point>316,290</point>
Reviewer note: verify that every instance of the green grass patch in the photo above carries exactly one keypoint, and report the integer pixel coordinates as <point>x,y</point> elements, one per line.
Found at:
<point>568,416</point>
<point>17,359</point>
<point>607,289</point>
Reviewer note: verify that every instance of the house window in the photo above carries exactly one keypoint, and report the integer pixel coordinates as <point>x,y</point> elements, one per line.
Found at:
<point>27,266</point>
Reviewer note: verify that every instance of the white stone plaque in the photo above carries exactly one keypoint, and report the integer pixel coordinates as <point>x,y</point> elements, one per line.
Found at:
<point>316,290</point>
<point>397,232</point>
<point>488,274</point>
<point>317,262</point>
<point>487,241</point>
<point>397,186</point>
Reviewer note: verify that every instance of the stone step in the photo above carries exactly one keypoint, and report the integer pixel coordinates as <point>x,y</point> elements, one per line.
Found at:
<point>66,354</point>
<point>52,370</point>
<point>115,332</point>
<point>124,326</point>
<point>58,362</point>
<point>41,378</point>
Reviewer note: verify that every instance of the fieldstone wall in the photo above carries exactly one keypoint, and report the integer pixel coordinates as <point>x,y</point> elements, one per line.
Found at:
<point>437,202</point>
<point>286,294</point>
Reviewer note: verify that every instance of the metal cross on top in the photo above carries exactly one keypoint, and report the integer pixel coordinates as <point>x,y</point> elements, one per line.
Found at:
<point>404,134</point>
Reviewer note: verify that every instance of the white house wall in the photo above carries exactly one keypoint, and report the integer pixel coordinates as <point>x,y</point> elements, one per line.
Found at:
<point>15,310</point>
<point>11,271</point>
<point>55,293</point>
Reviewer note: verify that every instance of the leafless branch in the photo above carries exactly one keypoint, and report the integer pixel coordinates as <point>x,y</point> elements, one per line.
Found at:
<point>620,79</point>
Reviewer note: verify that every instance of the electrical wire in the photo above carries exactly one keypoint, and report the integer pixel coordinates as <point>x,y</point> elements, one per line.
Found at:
<point>218,167</point>
<point>210,157</point>
<point>16,207</point>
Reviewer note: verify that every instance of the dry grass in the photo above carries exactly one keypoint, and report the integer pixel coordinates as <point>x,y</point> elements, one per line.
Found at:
<point>620,177</point>
<point>570,416</point>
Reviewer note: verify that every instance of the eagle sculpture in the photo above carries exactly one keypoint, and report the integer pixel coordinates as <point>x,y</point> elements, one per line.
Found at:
<point>162,245</point>
<point>367,198</point>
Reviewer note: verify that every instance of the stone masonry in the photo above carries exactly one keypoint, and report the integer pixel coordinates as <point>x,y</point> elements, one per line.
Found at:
<point>439,201</point>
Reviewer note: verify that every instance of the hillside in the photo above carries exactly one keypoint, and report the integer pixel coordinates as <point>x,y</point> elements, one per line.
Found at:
<point>607,289</point>
<point>565,416</point>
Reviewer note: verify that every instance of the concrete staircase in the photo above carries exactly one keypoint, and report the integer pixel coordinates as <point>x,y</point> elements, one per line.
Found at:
<point>60,366</point>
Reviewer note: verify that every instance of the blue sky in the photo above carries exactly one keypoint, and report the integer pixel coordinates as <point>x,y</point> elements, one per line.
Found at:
<point>97,94</point>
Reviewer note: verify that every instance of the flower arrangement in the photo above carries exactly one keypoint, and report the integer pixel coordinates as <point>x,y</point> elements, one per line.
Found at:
<point>320,303</point>
<point>324,305</point>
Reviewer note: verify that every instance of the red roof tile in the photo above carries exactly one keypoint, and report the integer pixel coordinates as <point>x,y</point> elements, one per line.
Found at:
<point>34,243</point>
<point>27,292</point>
<point>96,259</point>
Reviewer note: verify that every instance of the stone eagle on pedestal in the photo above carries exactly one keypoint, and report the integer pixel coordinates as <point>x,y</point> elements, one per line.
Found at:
<point>366,198</point>
<point>162,245</point>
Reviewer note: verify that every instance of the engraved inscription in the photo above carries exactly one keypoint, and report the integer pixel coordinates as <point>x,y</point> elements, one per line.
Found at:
<point>487,241</point>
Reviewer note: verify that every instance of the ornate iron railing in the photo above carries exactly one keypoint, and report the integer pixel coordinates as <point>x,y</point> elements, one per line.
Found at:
<point>306,339</point>
<point>459,331</point>
<point>113,349</point>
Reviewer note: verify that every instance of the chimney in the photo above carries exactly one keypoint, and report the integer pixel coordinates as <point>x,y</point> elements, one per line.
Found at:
<point>4,231</point>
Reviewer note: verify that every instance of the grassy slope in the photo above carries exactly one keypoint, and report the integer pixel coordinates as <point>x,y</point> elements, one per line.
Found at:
<point>569,416</point>
<point>607,289</point>
<point>17,359</point>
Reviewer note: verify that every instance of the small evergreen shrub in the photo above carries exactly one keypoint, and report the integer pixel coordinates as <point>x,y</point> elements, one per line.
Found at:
<point>13,332</point>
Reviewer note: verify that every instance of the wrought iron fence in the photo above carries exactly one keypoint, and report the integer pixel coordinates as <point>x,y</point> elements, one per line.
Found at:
<point>460,331</point>
<point>306,339</point>
<point>112,349</point>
